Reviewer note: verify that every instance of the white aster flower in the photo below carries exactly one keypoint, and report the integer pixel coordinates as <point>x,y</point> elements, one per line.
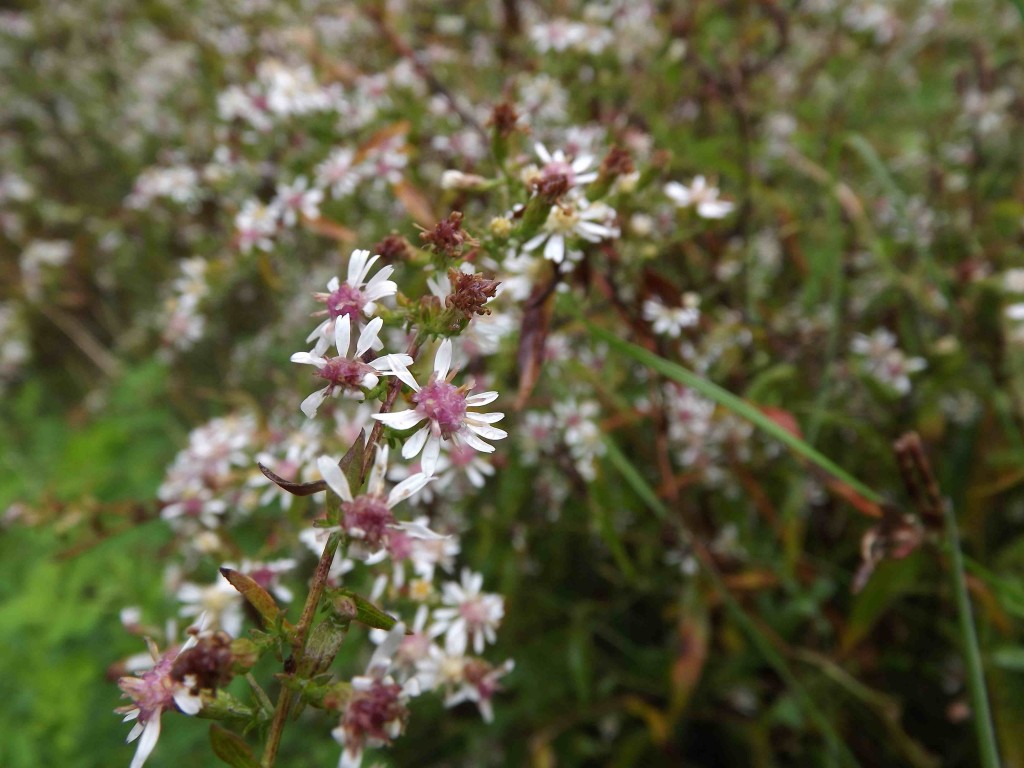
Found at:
<point>356,297</point>
<point>471,616</point>
<point>347,372</point>
<point>701,195</point>
<point>445,409</point>
<point>573,219</point>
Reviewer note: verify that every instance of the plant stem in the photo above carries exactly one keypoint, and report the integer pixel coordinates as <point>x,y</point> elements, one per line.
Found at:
<point>983,728</point>
<point>284,699</point>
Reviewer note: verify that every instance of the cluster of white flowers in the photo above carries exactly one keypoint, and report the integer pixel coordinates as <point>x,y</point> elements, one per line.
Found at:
<point>182,324</point>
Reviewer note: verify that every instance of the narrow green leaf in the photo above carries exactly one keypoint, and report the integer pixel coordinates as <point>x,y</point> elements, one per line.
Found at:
<point>231,748</point>
<point>735,404</point>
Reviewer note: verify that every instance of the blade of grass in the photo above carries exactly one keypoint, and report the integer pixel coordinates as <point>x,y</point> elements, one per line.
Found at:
<point>758,639</point>
<point>735,404</point>
<point>982,714</point>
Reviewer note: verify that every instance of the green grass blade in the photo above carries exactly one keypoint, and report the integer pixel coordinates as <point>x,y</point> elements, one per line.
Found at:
<point>735,404</point>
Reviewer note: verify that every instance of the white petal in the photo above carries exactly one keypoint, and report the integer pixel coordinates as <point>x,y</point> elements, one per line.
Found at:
<point>484,418</point>
<point>475,442</point>
<point>481,398</point>
<point>335,478</point>
<point>490,433</point>
<point>343,334</point>
<point>150,735</point>
<point>401,369</point>
<point>400,419</point>
<point>333,284</point>
<point>542,152</point>
<point>443,359</point>
<point>408,487</point>
<point>428,461</point>
<point>310,404</point>
<point>420,531</point>
<point>554,249</point>
<point>356,267</point>
<point>531,244</point>
<point>307,358</point>
<point>380,469</point>
<point>415,443</point>
<point>368,336</point>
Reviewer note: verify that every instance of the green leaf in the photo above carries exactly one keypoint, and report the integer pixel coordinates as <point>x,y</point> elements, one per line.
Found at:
<point>1009,657</point>
<point>231,748</point>
<point>352,607</point>
<point>735,404</point>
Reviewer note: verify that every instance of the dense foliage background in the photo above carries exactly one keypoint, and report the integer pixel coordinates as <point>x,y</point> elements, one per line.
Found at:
<point>867,282</point>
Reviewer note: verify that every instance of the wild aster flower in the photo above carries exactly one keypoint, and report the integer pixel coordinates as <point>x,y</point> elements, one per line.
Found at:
<point>556,163</point>
<point>297,199</point>
<point>376,711</point>
<point>573,219</point>
<point>347,372</point>
<point>153,693</point>
<point>886,363</point>
<point>339,172</point>
<point>699,194</point>
<point>671,320</point>
<point>354,298</point>
<point>464,679</point>
<point>472,616</point>
<point>445,409</point>
<point>220,602</point>
<point>368,518</point>
<point>256,225</point>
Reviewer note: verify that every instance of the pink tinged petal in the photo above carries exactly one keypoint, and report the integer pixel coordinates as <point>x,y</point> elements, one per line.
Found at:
<point>443,359</point>
<point>342,334</point>
<point>150,735</point>
<point>400,420</point>
<point>368,336</point>
<point>481,398</point>
<point>475,442</point>
<point>428,461</point>
<point>488,433</point>
<point>554,249</point>
<point>310,405</point>
<point>532,244</point>
<point>415,443</point>
<point>334,477</point>
<point>407,488</point>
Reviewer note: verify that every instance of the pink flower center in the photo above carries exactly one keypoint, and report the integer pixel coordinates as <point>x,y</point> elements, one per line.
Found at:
<point>345,301</point>
<point>475,613</point>
<point>342,372</point>
<point>154,691</point>
<point>368,518</point>
<point>370,713</point>
<point>444,405</point>
<point>558,168</point>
